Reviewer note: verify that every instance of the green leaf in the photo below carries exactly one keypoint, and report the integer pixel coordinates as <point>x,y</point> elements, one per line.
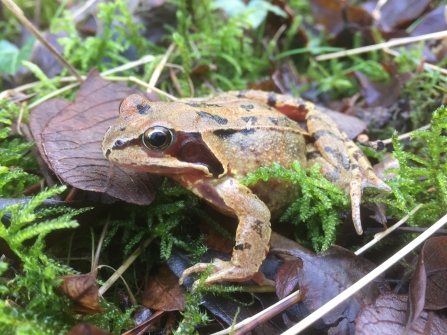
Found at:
<point>11,57</point>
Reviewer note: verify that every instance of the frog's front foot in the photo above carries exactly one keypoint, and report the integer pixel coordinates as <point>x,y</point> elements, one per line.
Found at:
<point>225,271</point>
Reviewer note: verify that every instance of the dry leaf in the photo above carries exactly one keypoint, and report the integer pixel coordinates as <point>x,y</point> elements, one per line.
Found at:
<point>69,138</point>
<point>82,290</point>
<point>163,292</point>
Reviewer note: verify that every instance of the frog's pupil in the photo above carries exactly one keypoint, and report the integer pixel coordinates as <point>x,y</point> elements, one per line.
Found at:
<point>157,138</point>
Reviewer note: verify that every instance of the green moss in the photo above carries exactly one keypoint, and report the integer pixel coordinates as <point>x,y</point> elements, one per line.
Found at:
<point>316,209</point>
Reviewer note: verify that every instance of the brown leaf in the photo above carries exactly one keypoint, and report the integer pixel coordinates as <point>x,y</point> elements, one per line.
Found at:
<point>287,279</point>
<point>163,292</point>
<point>379,93</point>
<point>86,329</point>
<point>386,316</point>
<point>324,276</point>
<point>352,125</point>
<point>435,263</point>
<point>69,137</point>
<point>330,14</point>
<point>399,14</point>
<point>433,22</point>
<point>82,290</point>
<point>416,295</point>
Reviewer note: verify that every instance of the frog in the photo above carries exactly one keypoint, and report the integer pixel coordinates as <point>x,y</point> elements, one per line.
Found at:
<point>207,145</point>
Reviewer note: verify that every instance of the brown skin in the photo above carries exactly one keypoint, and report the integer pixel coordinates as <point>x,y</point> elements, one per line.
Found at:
<point>208,145</point>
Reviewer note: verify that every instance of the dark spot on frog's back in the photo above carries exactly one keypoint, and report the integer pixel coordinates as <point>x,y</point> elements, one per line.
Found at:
<point>226,133</point>
<point>273,120</point>
<point>122,128</point>
<point>271,99</point>
<point>143,109</point>
<point>216,118</point>
<point>247,107</point>
<point>192,104</point>
<point>241,94</point>
<point>251,119</point>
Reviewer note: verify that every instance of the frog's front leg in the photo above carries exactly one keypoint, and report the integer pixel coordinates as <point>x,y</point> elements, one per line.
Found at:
<point>252,235</point>
<point>342,161</point>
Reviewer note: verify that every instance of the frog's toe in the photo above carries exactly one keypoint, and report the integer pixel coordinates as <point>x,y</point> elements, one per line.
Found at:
<point>221,271</point>
<point>359,181</point>
<point>199,267</point>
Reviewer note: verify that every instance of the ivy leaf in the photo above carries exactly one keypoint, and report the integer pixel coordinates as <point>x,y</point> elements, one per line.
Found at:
<point>11,57</point>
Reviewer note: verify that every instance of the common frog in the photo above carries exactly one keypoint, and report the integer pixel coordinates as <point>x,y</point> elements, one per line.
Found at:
<point>208,145</point>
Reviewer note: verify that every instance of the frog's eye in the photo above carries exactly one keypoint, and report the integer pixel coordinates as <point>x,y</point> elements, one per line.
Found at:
<point>157,138</point>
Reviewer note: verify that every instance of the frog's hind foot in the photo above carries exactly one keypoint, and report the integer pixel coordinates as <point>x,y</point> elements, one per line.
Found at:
<point>224,271</point>
<point>342,161</point>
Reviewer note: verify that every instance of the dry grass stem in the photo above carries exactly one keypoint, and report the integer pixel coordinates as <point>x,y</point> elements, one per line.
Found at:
<point>406,135</point>
<point>389,44</point>
<point>266,314</point>
<point>123,267</point>
<point>381,235</point>
<point>152,88</point>
<point>129,291</point>
<point>427,66</point>
<point>52,95</point>
<point>143,60</point>
<point>160,66</point>
<point>19,14</point>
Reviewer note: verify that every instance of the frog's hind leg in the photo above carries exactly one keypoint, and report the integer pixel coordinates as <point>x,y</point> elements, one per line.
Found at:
<point>345,164</point>
<point>252,234</point>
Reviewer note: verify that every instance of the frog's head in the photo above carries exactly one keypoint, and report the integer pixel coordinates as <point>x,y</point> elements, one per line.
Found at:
<point>158,137</point>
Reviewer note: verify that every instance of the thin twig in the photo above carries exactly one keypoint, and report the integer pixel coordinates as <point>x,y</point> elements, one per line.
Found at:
<point>389,44</point>
<point>323,310</point>
<point>19,14</point>
<point>381,235</point>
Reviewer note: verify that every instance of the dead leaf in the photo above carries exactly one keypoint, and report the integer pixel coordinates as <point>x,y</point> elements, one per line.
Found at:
<point>386,316</point>
<point>86,329</point>
<point>82,291</point>
<point>287,279</point>
<point>416,295</point>
<point>163,292</point>
<point>324,276</point>
<point>431,23</point>
<point>400,14</point>
<point>381,94</point>
<point>69,137</point>
<point>428,287</point>
<point>330,14</point>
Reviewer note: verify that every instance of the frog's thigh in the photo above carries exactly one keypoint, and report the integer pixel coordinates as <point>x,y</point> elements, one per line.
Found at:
<point>252,235</point>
